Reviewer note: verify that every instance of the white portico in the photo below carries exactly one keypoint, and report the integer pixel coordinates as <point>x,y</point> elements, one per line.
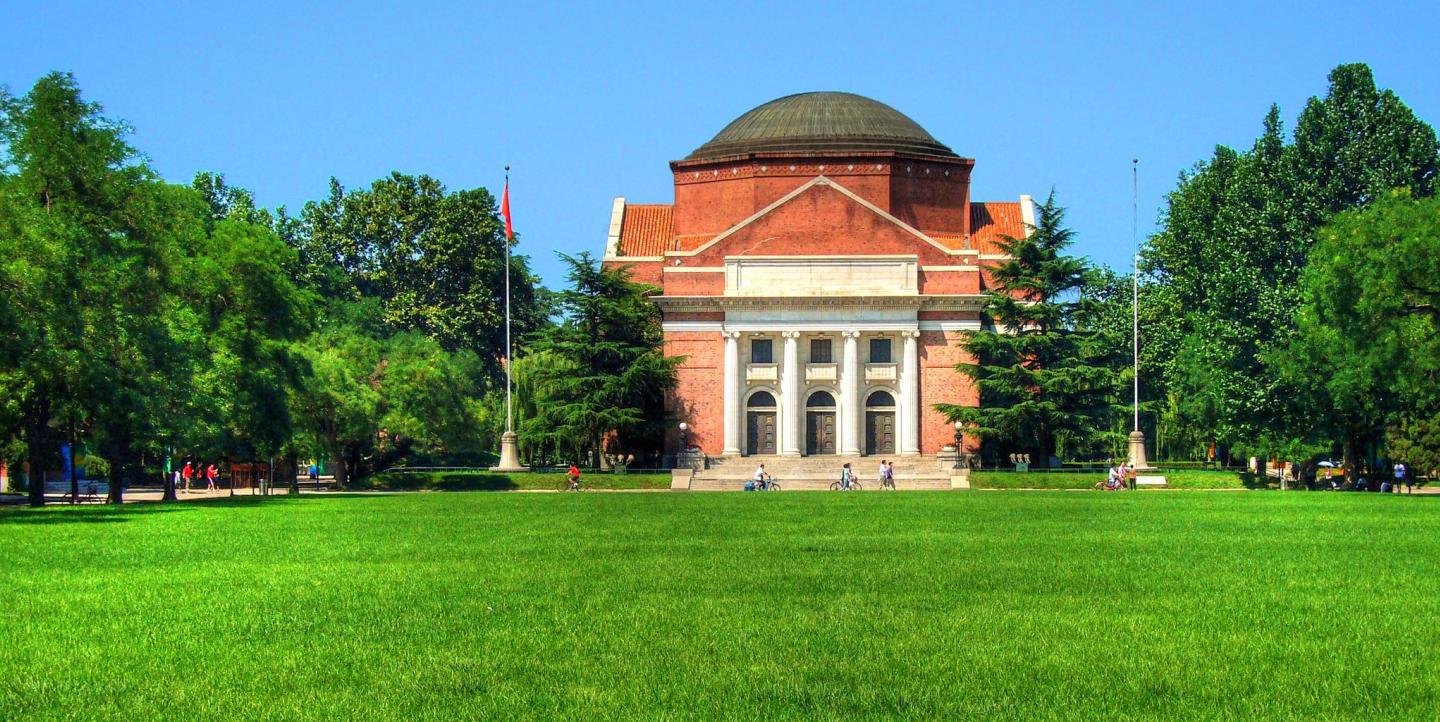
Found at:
<point>832,367</point>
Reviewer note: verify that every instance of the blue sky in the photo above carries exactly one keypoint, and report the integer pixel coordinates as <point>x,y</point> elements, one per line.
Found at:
<point>589,101</point>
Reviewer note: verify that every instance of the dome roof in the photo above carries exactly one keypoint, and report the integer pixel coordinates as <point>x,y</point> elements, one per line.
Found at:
<point>821,122</point>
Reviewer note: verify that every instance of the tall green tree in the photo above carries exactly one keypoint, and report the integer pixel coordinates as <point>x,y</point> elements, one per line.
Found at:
<point>1237,233</point>
<point>606,371</point>
<point>88,244</point>
<point>1045,380</point>
<point>1367,351</point>
<point>435,259</point>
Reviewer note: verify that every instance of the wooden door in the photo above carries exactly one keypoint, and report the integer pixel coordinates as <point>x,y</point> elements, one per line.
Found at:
<point>760,433</point>
<point>819,432</point>
<point>879,432</point>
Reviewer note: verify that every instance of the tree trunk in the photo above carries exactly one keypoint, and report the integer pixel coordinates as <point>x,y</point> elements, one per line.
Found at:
<point>35,483</point>
<point>289,470</point>
<point>169,487</point>
<point>337,460</point>
<point>117,483</point>
<point>74,474</point>
<point>1351,457</point>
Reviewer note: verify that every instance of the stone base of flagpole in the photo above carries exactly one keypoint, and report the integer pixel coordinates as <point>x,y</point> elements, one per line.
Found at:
<point>509,454</point>
<point>1137,452</point>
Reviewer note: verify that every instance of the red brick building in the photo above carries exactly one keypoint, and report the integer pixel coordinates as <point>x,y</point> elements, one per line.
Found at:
<point>818,263</point>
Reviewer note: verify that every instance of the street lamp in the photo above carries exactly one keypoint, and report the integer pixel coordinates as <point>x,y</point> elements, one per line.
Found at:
<point>683,428</point>
<point>959,453</point>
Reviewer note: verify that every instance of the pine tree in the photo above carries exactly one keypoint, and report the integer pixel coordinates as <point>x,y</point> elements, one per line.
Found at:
<point>1044,383</point>
<point>606,371</point>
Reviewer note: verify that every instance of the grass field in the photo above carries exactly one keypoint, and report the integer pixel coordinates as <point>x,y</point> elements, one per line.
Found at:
<point>1174,479</point>
<point>493,481</point>
<point>739,606</point>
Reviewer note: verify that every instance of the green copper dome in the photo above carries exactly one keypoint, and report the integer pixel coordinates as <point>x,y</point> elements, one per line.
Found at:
<point>809,122</point>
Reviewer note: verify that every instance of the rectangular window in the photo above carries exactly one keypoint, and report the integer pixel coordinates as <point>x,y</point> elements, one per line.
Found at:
<point>879,350</point>
<point>760,351</point>
<point>820,351</point>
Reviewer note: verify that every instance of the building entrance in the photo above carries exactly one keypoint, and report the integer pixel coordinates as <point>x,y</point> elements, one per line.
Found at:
<point>760,435</point>
<point>820,424</point>
<point>880,423</point>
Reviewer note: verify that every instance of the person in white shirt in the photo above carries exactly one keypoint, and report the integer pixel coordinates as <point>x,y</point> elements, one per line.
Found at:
<point>760,476</point>
<point>1402,476</point>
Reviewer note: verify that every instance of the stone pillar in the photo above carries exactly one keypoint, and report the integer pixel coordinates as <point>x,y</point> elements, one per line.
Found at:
<point>909,411</point>
<point>850,373</point>
<point>732,393</point>
<point>1137,452</point>
<point>790,395</point>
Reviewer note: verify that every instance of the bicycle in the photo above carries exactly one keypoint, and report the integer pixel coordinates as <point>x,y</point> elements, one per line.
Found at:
<point>767,484</point>
<point>566,484</point>
<point>854,486</point>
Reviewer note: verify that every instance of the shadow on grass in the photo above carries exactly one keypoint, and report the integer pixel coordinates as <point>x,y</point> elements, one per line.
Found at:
<point>63,513</point>
<point>438,482</point>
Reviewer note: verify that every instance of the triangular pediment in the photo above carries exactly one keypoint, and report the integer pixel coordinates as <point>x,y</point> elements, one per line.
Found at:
<point>818,217</point>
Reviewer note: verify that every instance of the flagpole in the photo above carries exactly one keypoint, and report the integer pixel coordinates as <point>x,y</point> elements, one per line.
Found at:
<point>509,441</point>
<point>509,358</point>
<point>1137,437</point>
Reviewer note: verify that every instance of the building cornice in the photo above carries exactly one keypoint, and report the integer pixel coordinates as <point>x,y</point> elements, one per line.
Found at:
<point>947,302</point>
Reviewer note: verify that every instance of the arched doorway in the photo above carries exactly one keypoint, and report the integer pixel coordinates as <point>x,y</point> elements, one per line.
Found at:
<point>880,423</point>
<point>760,423</point>
<point>820,423</point>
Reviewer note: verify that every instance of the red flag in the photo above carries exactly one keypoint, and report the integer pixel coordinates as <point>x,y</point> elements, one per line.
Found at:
<point>505,211</point>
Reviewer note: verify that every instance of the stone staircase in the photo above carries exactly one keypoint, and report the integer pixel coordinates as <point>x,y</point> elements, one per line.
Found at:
<point>807,473</point>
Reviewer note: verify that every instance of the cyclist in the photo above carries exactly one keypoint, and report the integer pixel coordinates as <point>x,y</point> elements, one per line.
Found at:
<point>573,476</point>
<point>761,478</point>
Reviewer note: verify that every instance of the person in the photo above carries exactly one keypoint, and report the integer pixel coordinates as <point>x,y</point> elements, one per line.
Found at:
<point>1402,476</point>
<point>175,479</point>
<point>1130,475</point>
<point>890,474</point>
<point>187,473</point>
<point>881,479</point>
<point>760,477</point>
<point>314,473</point>
<point>210,473</point>
<point>845,476</point>
<point>573,476</point>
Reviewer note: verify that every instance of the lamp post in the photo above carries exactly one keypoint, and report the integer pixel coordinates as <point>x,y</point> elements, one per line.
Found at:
<point>959,448</point>
<point>684,447</point>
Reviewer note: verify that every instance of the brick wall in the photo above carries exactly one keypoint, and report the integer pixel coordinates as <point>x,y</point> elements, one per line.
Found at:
<point>699,398</point>
<point>940,383</point>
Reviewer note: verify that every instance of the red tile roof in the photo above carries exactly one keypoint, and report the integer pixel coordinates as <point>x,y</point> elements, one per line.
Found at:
<point>991,220</point>
<point>646,230</point>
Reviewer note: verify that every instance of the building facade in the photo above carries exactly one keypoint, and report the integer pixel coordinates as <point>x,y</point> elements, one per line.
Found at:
<point>818,264</point>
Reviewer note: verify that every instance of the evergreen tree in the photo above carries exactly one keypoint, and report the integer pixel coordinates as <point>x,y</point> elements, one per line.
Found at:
<point>1045,381</point>
<point>606,371</point>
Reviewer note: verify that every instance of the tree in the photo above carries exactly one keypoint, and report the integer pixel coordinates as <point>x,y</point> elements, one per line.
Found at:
<point>435,260</point>
<point>1044,379</point>
<point>605,371</point>
<point>88,245</point>
<point>1367,351</point>
<point>371,398</point>
<point>1237,233</point>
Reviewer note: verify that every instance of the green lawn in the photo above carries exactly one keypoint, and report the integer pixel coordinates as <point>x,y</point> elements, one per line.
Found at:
<point>1174,479</point>
<point>920,605</point>
<point>491,481</point>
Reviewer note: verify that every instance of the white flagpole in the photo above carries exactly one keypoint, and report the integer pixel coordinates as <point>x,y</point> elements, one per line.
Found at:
<point>509,357</point>
<point>1135,277</point>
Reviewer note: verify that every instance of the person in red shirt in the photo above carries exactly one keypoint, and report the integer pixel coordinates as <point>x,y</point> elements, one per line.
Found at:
<point>210,473</point>
<point>574,476</point>
<point>188,473</point>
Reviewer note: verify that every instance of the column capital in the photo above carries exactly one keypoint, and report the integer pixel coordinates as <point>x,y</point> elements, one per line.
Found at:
<point>790,334</point>
<point>911,334</point>
<point>850,334</point>
<point>729,334</point>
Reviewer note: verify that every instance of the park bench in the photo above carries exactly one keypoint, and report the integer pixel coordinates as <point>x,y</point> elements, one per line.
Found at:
<point>90,490</point>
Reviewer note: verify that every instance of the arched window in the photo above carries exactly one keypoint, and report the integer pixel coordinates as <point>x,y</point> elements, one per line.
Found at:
<point>762,400</point>
<point>820,399</point>
<point>879,399</point>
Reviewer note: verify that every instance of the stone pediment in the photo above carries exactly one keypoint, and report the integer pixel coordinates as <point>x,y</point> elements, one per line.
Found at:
<point>819,218</point>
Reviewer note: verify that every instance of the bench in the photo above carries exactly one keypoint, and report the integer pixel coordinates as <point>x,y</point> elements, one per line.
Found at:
<point>90,489</point>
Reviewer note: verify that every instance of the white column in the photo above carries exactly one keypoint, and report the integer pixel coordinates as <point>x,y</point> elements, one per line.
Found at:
<point>790,396</point>
<point>909,411</point>
<point>850,373</point>
<point>732,393</point>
